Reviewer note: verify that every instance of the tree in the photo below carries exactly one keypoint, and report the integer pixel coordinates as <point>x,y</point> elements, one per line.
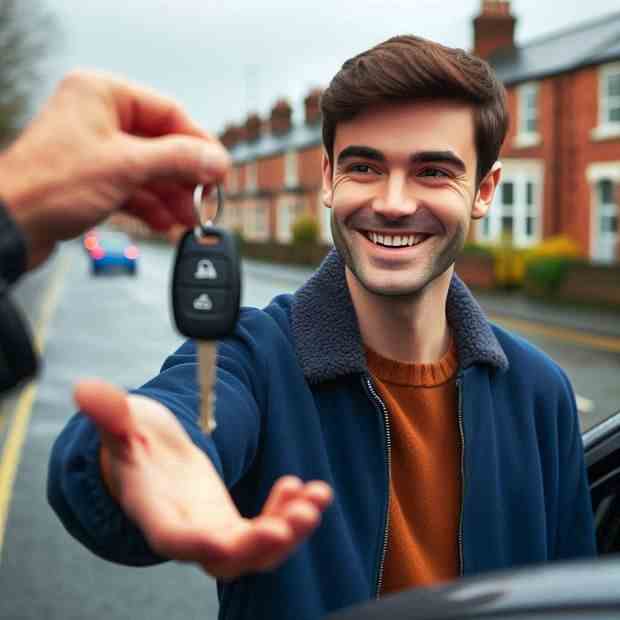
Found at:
<point>27,32</point>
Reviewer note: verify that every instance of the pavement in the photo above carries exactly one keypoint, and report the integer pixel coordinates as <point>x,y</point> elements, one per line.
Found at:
<point>516,305</point>
<point>604,323</point>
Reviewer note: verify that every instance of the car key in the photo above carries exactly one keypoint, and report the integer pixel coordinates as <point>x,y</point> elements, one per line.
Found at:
<point>206,294</point>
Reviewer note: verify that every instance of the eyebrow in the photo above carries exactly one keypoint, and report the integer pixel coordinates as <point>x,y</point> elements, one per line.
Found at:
<point>419,157</point>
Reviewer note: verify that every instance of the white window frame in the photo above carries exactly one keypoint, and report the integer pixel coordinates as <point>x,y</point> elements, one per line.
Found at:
<point>256,220</point>
<point>233,180</point>
<point>595,173</point>
<point>251,175</point>
<point>519,173</point>
<point>290,207</point>
<point>231,217</point>
<point>291,171</point>
<point>525,136</point>
<point>607,128</point>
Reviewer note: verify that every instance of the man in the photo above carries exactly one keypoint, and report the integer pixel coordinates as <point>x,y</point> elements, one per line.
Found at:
<point>99,144</point>
<point>448,445</point>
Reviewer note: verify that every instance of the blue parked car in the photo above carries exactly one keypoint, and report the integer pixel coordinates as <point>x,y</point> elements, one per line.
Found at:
<point>111,250</point>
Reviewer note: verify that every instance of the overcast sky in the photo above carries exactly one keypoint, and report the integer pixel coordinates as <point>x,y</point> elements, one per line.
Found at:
<point>223,58</point>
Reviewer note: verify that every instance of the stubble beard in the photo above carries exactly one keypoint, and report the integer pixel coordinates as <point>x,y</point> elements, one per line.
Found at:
<point>439,264</point>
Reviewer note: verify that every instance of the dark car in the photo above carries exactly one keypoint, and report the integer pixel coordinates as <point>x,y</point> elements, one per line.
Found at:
<point>111,250</point>
<point>577,590</point>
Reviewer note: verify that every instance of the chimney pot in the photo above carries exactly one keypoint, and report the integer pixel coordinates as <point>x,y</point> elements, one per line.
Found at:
<point>252,127</point>
<point>312,105</point>
<point>280,119</point>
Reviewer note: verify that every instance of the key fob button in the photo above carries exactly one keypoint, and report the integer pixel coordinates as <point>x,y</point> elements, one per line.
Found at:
<point>204,302</point>
<point>196,270</point>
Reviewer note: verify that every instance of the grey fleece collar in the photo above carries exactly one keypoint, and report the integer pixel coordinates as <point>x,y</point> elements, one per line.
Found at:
<point>327,336</point>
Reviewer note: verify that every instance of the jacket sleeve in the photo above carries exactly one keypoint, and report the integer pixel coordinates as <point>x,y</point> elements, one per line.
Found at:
<point>576,535</point>
<point>75,488</point>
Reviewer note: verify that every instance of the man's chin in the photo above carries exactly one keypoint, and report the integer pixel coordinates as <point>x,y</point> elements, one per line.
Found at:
<point>395,287</point>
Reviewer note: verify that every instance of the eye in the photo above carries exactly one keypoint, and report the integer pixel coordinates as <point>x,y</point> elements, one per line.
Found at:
<point>360,169</point>
<point>434,172</point>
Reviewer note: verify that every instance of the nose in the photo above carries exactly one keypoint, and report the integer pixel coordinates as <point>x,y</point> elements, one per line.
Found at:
<point>396,201</point>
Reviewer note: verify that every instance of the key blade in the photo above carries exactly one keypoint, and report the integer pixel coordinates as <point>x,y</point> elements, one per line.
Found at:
<point>207,357</point>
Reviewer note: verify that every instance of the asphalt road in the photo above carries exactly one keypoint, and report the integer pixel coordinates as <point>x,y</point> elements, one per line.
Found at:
<point>119,328</point>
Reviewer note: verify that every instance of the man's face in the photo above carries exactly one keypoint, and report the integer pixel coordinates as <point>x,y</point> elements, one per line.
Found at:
<point>403,191</point>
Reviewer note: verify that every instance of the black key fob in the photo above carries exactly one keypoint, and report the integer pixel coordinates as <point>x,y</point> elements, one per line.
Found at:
<point>206,284</point>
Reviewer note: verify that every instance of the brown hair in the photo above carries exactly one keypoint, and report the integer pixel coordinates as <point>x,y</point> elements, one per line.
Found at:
<point>409,68</point>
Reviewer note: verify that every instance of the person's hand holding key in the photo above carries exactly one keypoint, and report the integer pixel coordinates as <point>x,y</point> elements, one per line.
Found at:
<point>164,483</point>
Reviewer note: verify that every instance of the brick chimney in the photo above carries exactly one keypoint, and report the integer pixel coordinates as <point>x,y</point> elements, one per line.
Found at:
<point>312,107</point>
<point>252,128</point>
<point>231,136</point>
<point>494,28</point>
<point>280,120</point>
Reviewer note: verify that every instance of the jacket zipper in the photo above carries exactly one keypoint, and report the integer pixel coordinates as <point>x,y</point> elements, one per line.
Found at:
<point>388,461</point>
<point>459,415</point>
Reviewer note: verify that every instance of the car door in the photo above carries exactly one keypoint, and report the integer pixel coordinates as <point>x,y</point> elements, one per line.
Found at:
<point>602,455</point>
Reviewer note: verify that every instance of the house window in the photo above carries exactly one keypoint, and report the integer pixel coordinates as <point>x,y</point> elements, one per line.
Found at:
<point>530,210</point>
<point>232,180</point>
<point>250,177</point>
<point>606,222</point>
<point>289,209</point>
<point>507,214</point>
<point>515,214</point>
<point>527,134</point>
<point>609,103</point>
<point>255,221</point>
<point>291,178</point>
<point>231,217</point>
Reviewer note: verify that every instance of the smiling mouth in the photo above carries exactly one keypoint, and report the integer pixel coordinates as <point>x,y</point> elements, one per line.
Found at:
<point>395,241</point>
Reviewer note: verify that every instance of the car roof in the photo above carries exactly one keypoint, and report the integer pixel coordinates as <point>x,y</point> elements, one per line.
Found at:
<point>583,584</point>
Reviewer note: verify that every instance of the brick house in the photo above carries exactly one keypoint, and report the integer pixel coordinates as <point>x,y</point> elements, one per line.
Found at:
<point>561,157</point>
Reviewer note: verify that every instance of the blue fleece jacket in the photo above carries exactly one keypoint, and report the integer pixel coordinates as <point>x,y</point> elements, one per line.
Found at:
<point>294,396</point>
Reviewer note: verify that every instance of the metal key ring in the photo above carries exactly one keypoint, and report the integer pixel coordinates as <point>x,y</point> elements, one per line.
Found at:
<point>203,221</point>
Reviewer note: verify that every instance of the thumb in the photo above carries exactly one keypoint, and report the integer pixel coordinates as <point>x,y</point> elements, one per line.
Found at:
<point>180,158</point>
<point>106,405</point>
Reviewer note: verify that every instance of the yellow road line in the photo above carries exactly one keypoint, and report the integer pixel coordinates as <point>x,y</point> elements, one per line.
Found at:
<point>563,334</point>
<point>11,454</point>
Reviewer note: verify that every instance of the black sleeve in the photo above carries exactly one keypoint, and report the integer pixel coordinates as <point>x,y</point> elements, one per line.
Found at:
<point>12,248</point>
<point>18,360</point>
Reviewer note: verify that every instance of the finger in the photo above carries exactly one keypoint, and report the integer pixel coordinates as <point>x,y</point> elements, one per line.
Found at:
<point>230,553</point>
<point>150,209</point>
<point>144,112</point>
<point>283,491</point>
<point>303,518</point>
<point>177,199</point>
<point>319,493</point>
<point>106,405</point>
<point>180,159</point>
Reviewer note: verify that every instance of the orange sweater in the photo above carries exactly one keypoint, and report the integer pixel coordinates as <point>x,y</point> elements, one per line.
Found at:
<point>425,487</point>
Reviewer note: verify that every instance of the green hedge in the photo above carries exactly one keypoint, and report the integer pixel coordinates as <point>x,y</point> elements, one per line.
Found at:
<point>544,276</point>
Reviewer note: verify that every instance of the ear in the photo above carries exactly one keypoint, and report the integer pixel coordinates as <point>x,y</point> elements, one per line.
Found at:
<point>486,191</point>
<point>327,190</point>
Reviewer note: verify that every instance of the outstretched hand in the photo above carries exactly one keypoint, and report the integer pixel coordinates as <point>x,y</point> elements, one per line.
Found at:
<point>170,489</point>
<point>99,144</point>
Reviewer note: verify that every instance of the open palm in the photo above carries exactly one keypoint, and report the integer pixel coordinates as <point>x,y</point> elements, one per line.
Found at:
<point>171,490</point>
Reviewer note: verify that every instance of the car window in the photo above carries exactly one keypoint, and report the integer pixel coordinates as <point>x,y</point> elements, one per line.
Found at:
<point>602,446</point>
<point>113,241</point>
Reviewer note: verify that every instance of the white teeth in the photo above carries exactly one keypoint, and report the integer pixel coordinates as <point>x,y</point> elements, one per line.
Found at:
<point>394,240</point>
